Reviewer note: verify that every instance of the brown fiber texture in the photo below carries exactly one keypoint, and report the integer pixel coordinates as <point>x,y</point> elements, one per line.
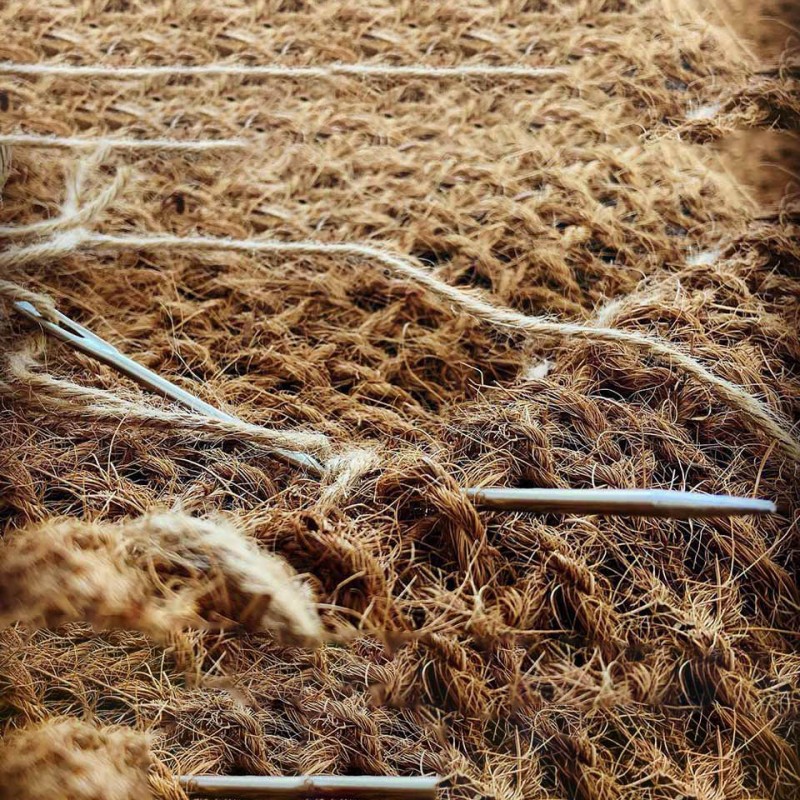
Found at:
<point>519,656</point>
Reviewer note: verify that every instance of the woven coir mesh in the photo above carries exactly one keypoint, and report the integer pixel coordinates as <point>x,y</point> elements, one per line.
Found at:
<point>521,656</point>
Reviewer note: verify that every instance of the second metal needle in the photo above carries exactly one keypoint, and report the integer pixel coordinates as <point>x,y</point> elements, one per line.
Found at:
<point>622,502</point>
<point>300,787</point>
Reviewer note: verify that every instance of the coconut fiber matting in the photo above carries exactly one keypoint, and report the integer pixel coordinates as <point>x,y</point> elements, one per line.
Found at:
<point>330,255</point>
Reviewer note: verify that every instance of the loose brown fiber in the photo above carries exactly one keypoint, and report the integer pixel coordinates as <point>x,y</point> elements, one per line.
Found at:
<point>174,600</point>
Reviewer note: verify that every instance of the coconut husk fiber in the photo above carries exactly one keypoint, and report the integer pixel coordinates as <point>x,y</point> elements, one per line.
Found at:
<point>165,582</point>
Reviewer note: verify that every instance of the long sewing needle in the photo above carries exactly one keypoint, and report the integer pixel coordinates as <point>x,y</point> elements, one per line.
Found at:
<point>388,787</point>
<point>627,502</point>
<point>87,342</point>
<point>624,502</point>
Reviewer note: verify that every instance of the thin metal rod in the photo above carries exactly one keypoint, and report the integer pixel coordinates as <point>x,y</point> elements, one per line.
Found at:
<point>318,786</point>
<point>623,502</point>
<point>92,345</point>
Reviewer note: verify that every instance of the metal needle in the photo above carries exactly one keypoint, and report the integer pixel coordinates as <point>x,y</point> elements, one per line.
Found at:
<point>307,786</point>
<point>87,342</point>
<point>623,502</point>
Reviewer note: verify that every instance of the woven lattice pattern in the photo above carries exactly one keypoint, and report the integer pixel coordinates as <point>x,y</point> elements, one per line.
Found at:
<point>520,656</point>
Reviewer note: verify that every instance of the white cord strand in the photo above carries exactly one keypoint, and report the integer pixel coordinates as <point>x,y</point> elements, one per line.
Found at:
<point>284,71</point>
<point>79,142</point>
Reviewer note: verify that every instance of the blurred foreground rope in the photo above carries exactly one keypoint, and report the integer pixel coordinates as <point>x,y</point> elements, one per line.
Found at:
<point>160,574</point>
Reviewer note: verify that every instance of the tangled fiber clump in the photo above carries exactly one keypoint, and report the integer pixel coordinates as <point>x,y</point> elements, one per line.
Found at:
<point>519,656</point>
<point>157,574</point>
<point>66,759</point>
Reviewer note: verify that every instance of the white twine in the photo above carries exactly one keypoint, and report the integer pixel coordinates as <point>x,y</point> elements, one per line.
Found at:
<point>84,142</point>
<point>285,71</point>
